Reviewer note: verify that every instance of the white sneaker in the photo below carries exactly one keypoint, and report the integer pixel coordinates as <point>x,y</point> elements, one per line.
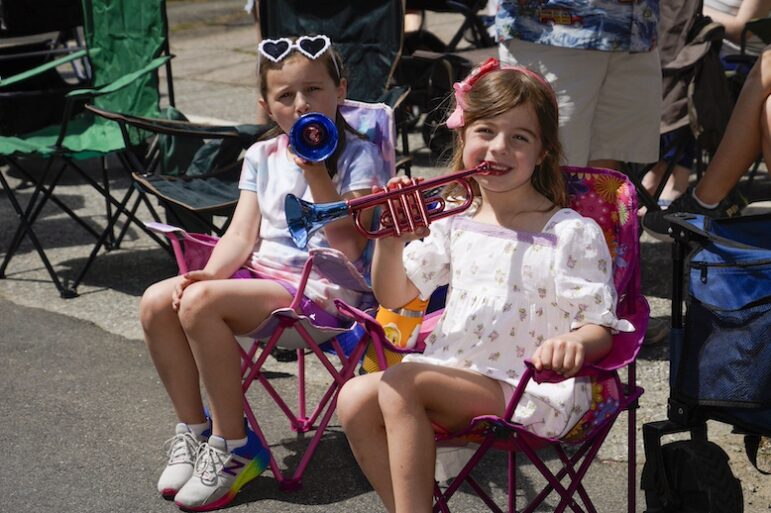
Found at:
<point>219,474</point>
<point>181,450</point>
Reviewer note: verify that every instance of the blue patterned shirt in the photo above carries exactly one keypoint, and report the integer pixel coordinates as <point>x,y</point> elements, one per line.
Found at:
<point>609,25</point>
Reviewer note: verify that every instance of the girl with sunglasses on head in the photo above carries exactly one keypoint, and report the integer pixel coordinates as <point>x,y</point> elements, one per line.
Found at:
<point>190,321</point>
<point>528,278</point>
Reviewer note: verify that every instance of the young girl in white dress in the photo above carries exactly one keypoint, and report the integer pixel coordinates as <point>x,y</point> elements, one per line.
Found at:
<point>190,321</point>
<point>528,278</point>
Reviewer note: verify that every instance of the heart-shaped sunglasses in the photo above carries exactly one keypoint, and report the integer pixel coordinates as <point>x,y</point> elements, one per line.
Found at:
<point>310,46</point>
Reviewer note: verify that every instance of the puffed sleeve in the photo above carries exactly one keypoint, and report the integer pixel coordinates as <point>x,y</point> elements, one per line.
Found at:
<point>584,275</point>
<point>427,261</point>
<point>360,167</point>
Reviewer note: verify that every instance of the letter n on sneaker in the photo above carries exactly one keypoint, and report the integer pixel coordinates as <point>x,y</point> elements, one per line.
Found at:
<point>219,473</point>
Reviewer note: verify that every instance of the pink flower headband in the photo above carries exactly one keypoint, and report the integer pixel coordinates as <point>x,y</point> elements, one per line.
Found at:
<point>461,88</point>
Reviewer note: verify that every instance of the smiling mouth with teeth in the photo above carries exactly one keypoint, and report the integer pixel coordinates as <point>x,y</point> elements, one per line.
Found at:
<point>492,168</point>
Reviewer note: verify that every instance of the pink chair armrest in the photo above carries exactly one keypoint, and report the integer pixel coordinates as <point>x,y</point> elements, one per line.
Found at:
<point>549,376</point>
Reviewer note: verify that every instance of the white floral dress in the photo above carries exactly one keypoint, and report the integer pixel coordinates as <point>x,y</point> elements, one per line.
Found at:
<point>509,291</point>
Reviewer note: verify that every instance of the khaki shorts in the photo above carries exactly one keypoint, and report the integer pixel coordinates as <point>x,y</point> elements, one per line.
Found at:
<point>610,102</point>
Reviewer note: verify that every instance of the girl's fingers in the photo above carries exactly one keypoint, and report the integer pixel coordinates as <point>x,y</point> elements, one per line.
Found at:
<point>187,279</point>
<point>573,360</point>
<point>558,357</point>
<point>579,362</point>
<point>563,357</point>
<point>569,359</point>
<point>403,180</point>
<point>422,232</point>
<point>545,357</point>
<point>536,359</point>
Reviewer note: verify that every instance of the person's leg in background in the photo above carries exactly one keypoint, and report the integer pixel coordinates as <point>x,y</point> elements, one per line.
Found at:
<point>681,140</point>
<point>676,185</point>
<point>765,123</point>
<point>413,20</point>
<point>625,127</point>
<point>738,149</point>
<point>746,136</point>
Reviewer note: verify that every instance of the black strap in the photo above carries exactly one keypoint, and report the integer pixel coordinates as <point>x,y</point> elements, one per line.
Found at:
<point>751,446</point>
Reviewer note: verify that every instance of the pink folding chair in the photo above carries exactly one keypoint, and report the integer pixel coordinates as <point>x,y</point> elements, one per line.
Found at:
<point>609,198</point>
<point>289,328</point>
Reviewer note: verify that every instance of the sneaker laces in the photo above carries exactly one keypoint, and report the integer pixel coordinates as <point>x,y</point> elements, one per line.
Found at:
<point>209,462</point>
<point>181,448</point>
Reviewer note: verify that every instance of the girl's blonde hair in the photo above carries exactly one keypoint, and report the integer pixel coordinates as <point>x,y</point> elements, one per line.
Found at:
<point>501,90</point>
<point>333,63</point>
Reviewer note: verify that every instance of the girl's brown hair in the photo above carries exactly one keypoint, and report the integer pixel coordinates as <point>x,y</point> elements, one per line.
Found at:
<point>333,63</point>
<point>501,90</point>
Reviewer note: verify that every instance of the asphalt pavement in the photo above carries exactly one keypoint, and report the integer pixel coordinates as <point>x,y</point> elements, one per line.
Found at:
<point>84,412</point>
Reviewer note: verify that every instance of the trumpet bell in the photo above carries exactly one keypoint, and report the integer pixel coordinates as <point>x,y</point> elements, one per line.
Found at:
<point>304,218</point>
<point>313,137</point>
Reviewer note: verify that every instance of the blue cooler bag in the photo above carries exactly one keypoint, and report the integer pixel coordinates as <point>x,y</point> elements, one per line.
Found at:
<point>721,361</point>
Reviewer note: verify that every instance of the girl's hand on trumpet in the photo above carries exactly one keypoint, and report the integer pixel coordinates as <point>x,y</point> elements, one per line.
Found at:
<point>393,287</point>
<point>396,183</point>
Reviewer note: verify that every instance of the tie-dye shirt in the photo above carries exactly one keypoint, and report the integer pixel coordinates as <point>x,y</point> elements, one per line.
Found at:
<point>609,25</point>
<point>268,171</point>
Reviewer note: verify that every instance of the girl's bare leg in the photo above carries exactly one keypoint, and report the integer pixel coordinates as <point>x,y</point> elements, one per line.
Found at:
<point>211,313</point>
<point>170,352</point>
<point>362,421</point>
<point>411,397</point>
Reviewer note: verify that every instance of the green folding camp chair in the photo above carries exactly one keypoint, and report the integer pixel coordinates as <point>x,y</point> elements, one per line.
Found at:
<point>126,44</point>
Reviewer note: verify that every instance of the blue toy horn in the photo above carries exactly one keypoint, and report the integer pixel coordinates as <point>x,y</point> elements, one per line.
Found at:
<point>313,137</point>
<point>304,218</point>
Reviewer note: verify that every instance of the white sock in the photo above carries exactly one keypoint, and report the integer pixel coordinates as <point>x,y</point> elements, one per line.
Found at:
<point>198,429</point>
<point>226,445</point>
<point>705,205</point>
<point>235,444</point>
